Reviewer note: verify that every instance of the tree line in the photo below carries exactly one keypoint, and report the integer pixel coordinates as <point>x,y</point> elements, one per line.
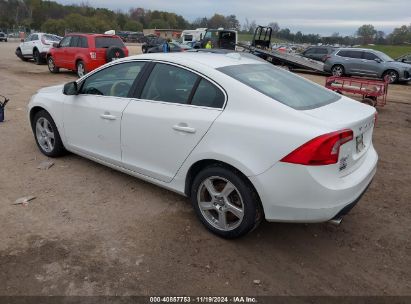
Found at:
<point>52,17</point>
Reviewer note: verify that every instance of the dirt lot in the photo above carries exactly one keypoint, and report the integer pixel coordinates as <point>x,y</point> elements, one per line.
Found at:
<point>94,231</point>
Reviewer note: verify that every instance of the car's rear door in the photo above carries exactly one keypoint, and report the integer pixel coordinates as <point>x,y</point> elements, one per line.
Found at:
<point>174,110</point>
<point>353,61</point>
<point>92,119</point>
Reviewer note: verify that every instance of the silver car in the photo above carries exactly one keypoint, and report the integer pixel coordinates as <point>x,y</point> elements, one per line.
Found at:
<point>366,62</point>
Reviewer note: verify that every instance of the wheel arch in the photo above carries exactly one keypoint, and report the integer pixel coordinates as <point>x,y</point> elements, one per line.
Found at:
<point>199,165</point>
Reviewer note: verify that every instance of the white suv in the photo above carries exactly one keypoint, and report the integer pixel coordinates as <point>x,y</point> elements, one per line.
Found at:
<point>36,46</point>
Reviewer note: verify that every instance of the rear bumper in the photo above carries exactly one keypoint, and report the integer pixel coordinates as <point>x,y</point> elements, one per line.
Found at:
<point>292,193</point>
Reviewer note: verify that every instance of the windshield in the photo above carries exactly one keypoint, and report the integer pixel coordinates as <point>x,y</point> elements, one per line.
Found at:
<point>384,56</point>
<point>281,85</point>
<point>106,42</point>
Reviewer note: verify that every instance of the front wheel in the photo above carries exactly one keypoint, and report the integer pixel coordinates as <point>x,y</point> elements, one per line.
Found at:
<point>225,202</point>
<point>338,70</point>
<point>81,69</point>
<point>391,76</point>
<point>52,65</point>
<point>46,134</point>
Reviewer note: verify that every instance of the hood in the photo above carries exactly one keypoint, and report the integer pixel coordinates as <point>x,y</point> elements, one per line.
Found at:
<point>398,64</point>
<point>53,89</point>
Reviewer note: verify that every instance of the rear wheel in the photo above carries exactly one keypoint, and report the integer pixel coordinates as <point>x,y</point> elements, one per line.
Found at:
<point>391,76</point>
<point>81,69</point>
<point>51,65</point>
<point>225,202</point>
<point>36,56</point>
<point>338,70</point>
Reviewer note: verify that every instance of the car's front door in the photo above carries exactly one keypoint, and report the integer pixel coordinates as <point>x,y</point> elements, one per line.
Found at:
<point>92,119</point>
<point>175,109</point>
<point>370,64</point>
<point>60,53</point>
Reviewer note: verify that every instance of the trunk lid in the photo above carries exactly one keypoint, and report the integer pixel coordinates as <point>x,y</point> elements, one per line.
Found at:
<point>349,114</point>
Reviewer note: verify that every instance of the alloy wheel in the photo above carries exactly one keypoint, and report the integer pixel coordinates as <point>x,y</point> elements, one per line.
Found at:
<point>220,203</point>
<point>80,70</point>
<point>45,134</point>
<point>338,70</point>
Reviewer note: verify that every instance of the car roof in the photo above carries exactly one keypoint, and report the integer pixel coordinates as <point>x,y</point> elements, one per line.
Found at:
<point>209,59</point>
<point>92,35</point>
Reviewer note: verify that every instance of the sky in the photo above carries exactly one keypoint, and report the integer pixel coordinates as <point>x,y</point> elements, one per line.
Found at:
<point>324,17</point>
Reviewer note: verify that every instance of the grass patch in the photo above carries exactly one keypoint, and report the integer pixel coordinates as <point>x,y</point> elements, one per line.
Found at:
<point>393,51</point>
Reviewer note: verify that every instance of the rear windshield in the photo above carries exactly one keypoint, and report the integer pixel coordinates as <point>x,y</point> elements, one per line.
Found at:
<point>281,85</point>
<point>106,42</point>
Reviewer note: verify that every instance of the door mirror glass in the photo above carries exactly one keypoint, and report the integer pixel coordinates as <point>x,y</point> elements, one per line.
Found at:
<point>70,88</point>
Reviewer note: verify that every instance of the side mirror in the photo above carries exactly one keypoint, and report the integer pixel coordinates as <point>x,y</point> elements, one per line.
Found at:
<point>56,45</point>
<point>70,88</point>
<point>403,60</point>
<point>378,60</point>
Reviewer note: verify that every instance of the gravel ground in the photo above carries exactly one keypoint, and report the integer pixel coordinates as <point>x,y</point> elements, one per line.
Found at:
<point>94,231</point>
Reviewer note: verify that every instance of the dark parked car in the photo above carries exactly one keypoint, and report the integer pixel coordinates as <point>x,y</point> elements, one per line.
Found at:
<point>404,58</point>
<point>151,41</point>
<point>318,53</point>
<point>174,47</point>
<point>3,37</point>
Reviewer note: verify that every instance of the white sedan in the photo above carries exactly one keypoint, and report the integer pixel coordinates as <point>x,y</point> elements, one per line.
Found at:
<point>242,139</point>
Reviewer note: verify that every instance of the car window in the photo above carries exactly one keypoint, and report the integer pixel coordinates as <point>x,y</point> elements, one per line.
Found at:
<point>74,41</point>
<point>321,51</point>
<point>34,37</point>
<point>115,80</point>
<point>369,56</point>
<point>169,83</point>
<point>51,37</point>
<point>106,42</point>
<point>65,42</point>
<point>309,51</point>
<point>82,42</point>
<point>354,54</point>
<point>208,95</point>
<point>282,86</point>
<point>342,53</point>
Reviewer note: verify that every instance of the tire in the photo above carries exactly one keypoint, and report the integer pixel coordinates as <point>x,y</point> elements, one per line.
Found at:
<point>113,53</point>
<point>231,214</point>
<point>338,70</point>
<point>20,55</point>
<point>391,75</point>
<point>80,69</point>
<point>36,57</point>
<point>51,65</point>
<point>371,102</point>
<point>46,135</point>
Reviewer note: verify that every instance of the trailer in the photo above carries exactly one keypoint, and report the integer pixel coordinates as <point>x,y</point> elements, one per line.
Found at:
<point>373,92</point>
<point>260,46</point>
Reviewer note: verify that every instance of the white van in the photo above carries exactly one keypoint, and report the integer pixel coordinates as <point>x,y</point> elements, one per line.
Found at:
<point>193,35</point>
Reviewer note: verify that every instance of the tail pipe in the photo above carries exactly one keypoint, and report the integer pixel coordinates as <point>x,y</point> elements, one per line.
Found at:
<point>336,221</point>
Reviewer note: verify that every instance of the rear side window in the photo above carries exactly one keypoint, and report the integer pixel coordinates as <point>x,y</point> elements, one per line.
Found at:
<point>82,42</point>
<point>208,95</point>
<point>51,37</point>
<point>169,83</point>
<point>350,54</point>
<point>106,42</point>
<point>280,85</point>
<point>322,51</point>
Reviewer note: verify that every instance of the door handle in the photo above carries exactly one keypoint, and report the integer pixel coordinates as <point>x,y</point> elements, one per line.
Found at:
<point>108,116</point>
<point>184,128</point>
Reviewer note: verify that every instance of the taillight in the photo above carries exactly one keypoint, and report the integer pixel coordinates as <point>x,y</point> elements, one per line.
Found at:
<point>326,57</point>
<point>322,150</point>
<point>93,55</point>
<point>44,41</point>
